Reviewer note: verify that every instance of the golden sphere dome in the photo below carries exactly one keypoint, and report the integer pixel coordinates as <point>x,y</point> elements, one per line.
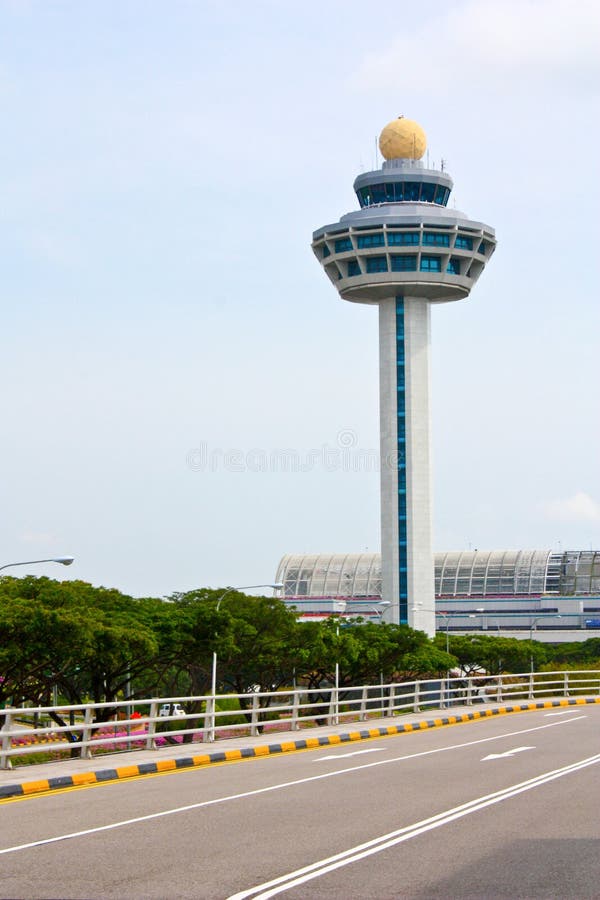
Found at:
<point>402,139</point>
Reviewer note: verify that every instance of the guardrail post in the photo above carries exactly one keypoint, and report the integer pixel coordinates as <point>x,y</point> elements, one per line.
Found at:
<point>416,697</point>
<point>5,760</point>
<point>566,687</point>
<point>254,719</point>
<point>443,684</point>
<point>295,708</point>
<point>469,692</point>
<point>499,690</point>
<point>363,704</point>
<point>531,690</point>
<point>86,735</point>
<point>331,711</point>
<point>151,732</point>
<point>209,720</point>
<point>392,701</point>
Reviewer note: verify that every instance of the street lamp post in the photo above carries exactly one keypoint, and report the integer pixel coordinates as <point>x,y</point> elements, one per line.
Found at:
<point>64,561</point>
<point>378,612</point>
<point>447,620</point>
<point>531,629</point>
<point>213,689</point>
<point>337,674</point>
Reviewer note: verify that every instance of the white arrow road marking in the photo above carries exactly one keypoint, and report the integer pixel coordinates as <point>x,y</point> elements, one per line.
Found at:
<point>508,753</point>
<point>346,755</point>
<point>564,712</point>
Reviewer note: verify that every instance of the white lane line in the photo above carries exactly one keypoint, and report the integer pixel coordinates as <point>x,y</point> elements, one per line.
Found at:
<point>564,712</point>
<point>384,842</point>
<point>273,787</point>
<point>507,753</point>
<point>345,755</point>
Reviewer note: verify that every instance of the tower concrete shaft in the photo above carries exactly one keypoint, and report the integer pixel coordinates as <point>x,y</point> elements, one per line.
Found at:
<point>402,251</point>
<point>405,443</point>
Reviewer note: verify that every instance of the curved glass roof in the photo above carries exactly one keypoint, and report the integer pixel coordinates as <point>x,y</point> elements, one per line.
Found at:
<point>468,573</point>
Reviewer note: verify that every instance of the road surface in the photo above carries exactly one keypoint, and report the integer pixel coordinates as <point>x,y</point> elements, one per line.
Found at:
<point>498,808</point>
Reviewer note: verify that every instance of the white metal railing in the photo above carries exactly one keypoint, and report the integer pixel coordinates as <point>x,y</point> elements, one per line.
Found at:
<point>143,724</point>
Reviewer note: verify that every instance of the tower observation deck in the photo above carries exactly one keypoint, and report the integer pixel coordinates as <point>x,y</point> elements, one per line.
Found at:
<point>402,251</point>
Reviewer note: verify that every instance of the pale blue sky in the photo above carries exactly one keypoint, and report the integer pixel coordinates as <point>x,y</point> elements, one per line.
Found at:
<point>163,167</point>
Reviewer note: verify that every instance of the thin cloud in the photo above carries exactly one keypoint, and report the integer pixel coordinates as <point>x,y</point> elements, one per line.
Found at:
<point>37,537</point>
<point>578,508</point>
<point>483,44</point>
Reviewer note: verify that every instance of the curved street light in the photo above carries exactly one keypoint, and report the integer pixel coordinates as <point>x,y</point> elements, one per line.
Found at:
<point>213,689</point>
<point>447,619</point>
<point>63,560</point>
<point>531,629</point>
<point>378,612</point>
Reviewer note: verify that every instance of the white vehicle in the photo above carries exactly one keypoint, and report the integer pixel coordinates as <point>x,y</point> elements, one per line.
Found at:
<point>171,709</point>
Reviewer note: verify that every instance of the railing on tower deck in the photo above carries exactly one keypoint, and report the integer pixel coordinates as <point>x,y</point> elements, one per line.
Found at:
<point>93,729</point>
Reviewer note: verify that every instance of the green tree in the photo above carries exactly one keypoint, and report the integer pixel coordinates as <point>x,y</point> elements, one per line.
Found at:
<point>89,642</point>
<point>477,653</point>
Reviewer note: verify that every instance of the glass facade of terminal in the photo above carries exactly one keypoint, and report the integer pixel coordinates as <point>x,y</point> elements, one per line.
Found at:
<point>471,573</point>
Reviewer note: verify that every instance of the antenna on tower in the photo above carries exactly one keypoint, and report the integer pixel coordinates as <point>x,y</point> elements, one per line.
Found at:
<point>443,163</point>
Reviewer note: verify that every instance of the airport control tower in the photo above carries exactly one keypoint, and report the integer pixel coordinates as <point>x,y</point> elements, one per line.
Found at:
<point>403,250</point>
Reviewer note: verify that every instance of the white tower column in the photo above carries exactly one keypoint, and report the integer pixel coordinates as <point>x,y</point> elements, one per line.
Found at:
<point>406,528</point>
<point>421,574</point>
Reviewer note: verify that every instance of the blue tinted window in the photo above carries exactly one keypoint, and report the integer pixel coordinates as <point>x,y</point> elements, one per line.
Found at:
<point>482,247</point>
<point>412,190</point>
<point>343,244</point>
<point>401,470</point>
<point>326,251</point>
<point>376,264</point>
<point>436,240</point>
<point>402,192</point>
<point>404,263</point>
<point>430,264</point>
<point>402,238</point>
<point>453,266</point>
<point>353,268</point>
<point>364,196</point>
<point>441,195</point>
<point>463,243</point>
<point>370,240</point>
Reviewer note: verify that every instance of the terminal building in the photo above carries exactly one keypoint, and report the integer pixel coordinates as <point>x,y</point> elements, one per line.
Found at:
<point>548,595</point>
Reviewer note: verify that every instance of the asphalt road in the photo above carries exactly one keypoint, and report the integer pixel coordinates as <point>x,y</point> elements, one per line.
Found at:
<point>502,807</point>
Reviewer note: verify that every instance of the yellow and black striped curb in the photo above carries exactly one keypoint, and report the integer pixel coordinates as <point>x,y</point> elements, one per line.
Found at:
<point>27,788</point>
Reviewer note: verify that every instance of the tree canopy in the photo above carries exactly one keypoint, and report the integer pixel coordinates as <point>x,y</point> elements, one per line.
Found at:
<point>97,644</point>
